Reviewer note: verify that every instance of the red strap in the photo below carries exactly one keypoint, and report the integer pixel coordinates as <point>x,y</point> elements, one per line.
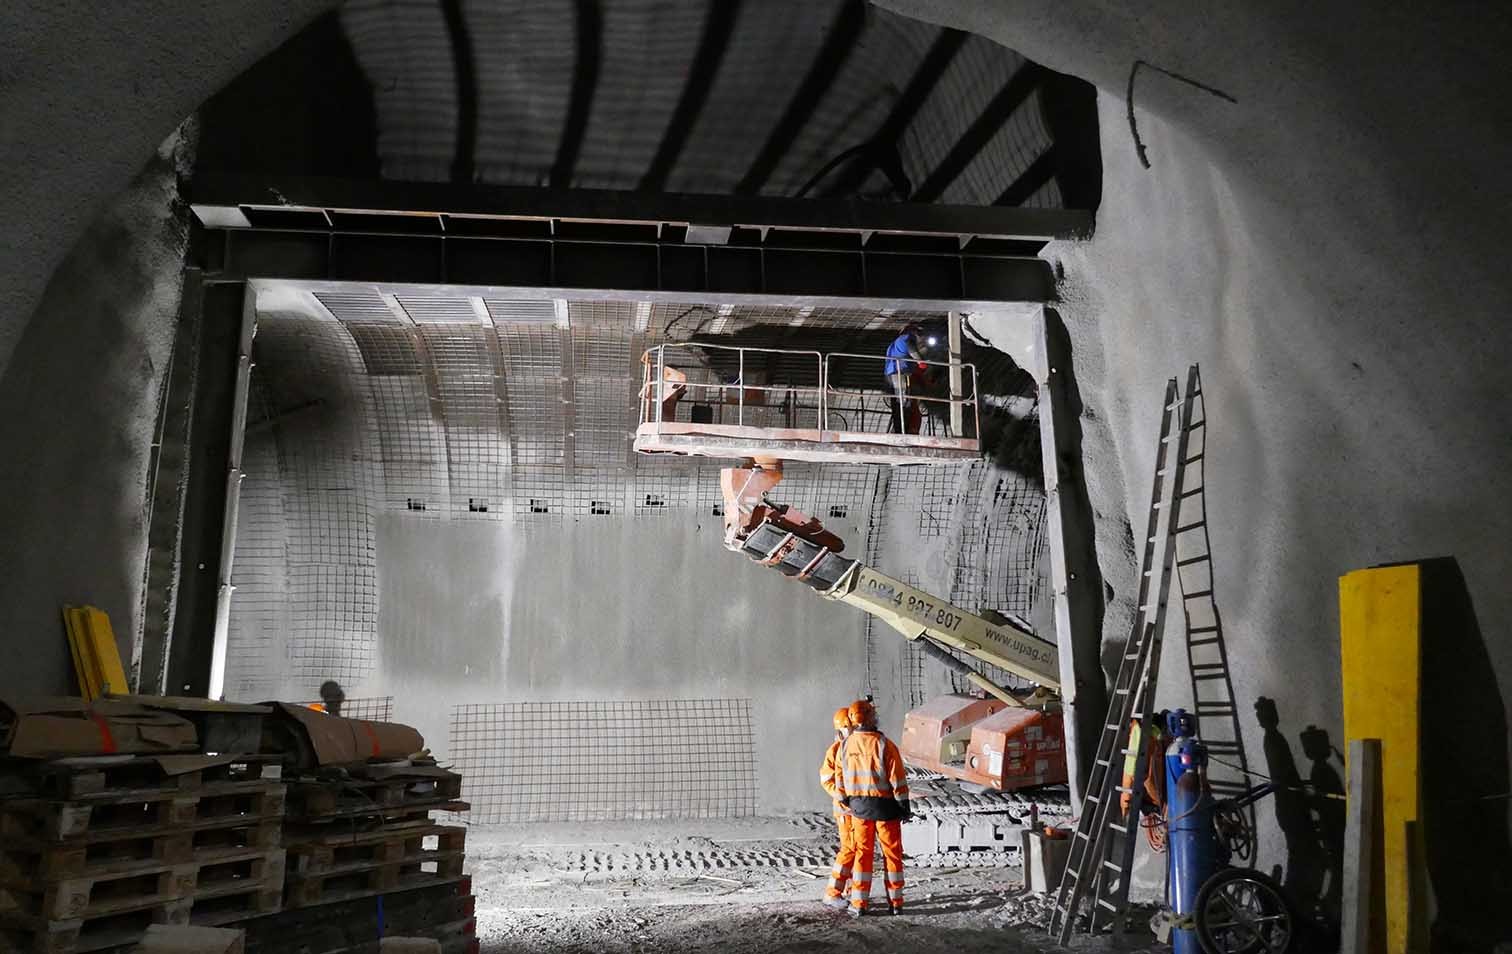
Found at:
<point>372,735</point>
<point>107,741</point>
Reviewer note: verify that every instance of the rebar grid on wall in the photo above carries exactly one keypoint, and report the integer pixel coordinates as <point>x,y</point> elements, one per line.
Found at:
<point>492,409</point>
<point>605,761</point>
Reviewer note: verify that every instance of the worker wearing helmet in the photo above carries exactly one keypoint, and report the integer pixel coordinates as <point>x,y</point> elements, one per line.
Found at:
<point>873,787</point>
<point>898,372</point>
<point>829,778</point>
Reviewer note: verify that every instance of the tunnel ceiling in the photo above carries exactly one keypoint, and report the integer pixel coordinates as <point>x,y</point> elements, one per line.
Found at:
<point>834,98</point>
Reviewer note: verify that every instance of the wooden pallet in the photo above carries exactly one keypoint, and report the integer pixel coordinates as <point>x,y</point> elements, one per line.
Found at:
<point>81,935</point>
<point>349,925</point>
<point>111,778</point>
<point>108,815</point>
<point>36,861</point>
<point>88,914</point>
<point>318,798</point>
<point>115,892</point>
<point>337,852</point>
<point>339,869</point>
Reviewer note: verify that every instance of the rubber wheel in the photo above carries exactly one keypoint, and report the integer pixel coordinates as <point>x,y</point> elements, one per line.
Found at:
<point>1244,912</point>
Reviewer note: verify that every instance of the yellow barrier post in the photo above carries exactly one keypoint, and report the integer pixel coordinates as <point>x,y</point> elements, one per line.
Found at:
<point>1380,625</point>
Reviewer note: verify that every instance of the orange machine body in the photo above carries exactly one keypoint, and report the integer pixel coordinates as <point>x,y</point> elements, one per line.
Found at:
<point>987,743</point>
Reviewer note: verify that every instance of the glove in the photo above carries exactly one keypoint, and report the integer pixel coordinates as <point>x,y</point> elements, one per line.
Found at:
<point>907,810</point>
<point>845,802</point>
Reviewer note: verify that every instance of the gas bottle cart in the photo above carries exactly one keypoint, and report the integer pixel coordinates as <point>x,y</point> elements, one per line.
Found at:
<point>1215,908</point>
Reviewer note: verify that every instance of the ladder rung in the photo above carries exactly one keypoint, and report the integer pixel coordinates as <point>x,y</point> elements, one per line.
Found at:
<point>1194,458</point>
<point>1121,829</point>
<point>1103,762</point>
<point>1115,866</point>
<point>1121,788</point>
<point>1209,675</point>
<point>1203,629</point>
<point>1091,798</point>
<point>1107,904</point>
<point>1190,560</point>
<point>1209,665</point>
<point>1197,595</point>
<point>1189,493</point>
<point>1190,526</point>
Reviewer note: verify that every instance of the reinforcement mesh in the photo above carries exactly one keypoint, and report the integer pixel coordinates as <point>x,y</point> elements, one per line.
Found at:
<point>464,409</point>
<point>605,761</point>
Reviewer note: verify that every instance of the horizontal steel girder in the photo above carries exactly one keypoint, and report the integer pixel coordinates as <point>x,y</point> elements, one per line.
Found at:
<point>344,231</point>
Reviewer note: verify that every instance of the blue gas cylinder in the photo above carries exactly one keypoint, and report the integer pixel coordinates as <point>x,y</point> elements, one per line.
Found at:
<point>1192,843</point>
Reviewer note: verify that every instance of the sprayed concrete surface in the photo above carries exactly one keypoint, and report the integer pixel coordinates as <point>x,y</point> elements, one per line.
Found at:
<point>79,410</point>
<point>1332,250</point>
<point>612,609</point>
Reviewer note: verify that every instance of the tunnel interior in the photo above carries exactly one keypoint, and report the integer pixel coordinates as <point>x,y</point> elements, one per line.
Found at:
<point>408,268</point>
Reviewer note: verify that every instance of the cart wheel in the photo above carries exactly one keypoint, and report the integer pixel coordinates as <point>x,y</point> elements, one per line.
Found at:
<point>1244,912</point>
<point>1234,828</point>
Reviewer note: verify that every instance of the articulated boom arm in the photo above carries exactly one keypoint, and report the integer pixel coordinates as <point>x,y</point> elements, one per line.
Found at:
<point>931,622</point>
<point>917,614</point>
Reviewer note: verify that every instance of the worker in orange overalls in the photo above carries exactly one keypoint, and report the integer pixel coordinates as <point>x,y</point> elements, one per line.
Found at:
<point>829,779</point>
<point>873,787</point>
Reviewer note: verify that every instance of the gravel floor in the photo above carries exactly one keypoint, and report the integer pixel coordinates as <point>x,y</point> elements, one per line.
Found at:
<point>737,887</point>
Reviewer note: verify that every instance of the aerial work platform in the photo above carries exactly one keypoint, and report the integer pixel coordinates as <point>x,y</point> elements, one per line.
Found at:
<point>710,400</point>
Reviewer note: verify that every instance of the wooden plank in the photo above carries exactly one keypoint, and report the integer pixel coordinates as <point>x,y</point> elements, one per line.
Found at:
<point>1380,643</point>
<point>1361,933</point>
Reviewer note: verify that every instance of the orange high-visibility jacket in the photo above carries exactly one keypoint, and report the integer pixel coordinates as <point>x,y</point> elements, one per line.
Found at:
<point>829,772</point>
<point>872,776</point>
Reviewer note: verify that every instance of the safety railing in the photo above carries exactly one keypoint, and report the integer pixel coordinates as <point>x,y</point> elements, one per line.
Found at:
<point>905,394</point>
<point>699,382</point>
<point>666,385</point>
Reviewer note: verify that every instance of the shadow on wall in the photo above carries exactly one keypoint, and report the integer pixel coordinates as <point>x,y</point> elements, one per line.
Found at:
<point>1464,769</point>
<point>1311,822</point>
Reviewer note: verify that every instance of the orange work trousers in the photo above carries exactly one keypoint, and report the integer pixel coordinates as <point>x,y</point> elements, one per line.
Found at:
<point>890,834</point>
<point>844,858</point>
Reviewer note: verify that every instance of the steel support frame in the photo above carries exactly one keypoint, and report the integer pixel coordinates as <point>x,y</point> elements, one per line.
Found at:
<point>559,243</point>
<point>473,235</point>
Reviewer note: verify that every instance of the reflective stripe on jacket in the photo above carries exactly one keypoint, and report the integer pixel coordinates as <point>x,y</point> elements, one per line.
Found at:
<point>872,777</point>
<point>829,772</point>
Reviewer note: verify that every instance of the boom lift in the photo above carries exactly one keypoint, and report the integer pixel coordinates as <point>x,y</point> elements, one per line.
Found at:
<point>1004,749</point>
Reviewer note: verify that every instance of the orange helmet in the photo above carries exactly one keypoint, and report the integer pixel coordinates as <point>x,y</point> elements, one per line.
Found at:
<point>862,713</point>
<point>842,719</point>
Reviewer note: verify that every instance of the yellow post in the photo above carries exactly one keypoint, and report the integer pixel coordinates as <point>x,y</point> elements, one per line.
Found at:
<point>1380,643</point>
<point>97,660</point>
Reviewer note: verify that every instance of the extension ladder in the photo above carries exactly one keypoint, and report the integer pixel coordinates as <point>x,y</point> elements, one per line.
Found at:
<point>1207,658</point>
<point>1101,857</point>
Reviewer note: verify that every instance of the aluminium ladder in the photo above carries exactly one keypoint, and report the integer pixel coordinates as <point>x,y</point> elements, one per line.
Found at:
<point>1102,849</point>
<point>1207,656</point>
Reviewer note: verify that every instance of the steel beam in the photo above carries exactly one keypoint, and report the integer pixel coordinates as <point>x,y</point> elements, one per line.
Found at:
<point>227,201</point>
<point>630,266</point>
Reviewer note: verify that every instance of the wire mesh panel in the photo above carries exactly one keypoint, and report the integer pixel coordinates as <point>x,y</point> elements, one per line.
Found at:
<point>255,646</point>
<point>331,477</point>
<point>468,381</point>
<point>604,761</point>
<point>371,708</point>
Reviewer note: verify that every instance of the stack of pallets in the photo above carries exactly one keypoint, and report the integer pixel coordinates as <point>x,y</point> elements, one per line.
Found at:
<point>367,831</point>
<point>100,849</point>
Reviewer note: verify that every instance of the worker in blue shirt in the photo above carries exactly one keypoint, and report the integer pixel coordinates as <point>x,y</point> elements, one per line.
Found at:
<point>898,372</point>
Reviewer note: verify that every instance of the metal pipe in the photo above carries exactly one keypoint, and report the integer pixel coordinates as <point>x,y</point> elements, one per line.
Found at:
<point>221,635</point>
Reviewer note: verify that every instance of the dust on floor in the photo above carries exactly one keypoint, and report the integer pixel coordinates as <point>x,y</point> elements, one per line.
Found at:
<point>743,886</point>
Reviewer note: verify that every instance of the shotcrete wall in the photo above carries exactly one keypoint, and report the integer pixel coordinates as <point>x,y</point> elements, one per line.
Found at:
<point>1331,249</point>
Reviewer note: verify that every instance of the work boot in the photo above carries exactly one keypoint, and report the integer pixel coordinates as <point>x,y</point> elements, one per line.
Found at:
<point>895,909</point>
<point>838,904</point>
<point>855,912</point>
